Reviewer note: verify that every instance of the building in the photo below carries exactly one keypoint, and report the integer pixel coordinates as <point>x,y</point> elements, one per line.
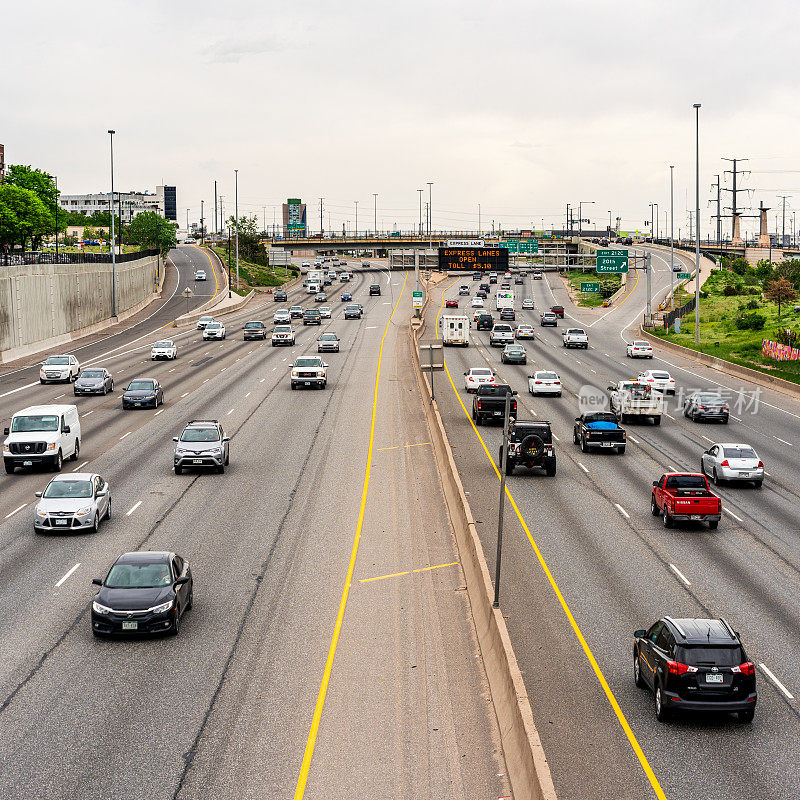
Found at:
<point>163,202</point>
<point>294,219</point>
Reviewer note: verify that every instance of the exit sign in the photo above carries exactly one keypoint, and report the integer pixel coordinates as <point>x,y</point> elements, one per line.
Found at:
<point>684,276</point>
<point>590,287</point>
<point>612,260</point>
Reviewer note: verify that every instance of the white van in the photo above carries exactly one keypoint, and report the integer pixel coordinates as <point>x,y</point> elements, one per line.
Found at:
<point>42,435</point>
<point>455,330</point>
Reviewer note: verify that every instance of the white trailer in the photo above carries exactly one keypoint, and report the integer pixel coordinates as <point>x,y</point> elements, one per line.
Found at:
<point>455,329</point>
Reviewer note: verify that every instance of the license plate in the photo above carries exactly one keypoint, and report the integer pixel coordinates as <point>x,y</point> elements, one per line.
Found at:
<point>606,444</point>
<point>714,678</point>
<point>197,461</point>
<point>130,626</point>
<point>498,413</point>
<point>745,474</point>
<point>62,523</point>
<point>137,404</point>
<point>27,463</point>
<point>696,516</point>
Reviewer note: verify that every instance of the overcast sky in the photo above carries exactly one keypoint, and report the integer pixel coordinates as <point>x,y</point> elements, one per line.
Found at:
<point>519,106</point>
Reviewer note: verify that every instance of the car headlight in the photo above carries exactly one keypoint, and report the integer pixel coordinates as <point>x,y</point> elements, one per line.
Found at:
<point>51,446</point>
<point>98,609</point>
<point>6,448</point>
<point>83,511</point>
<point>180,451</point>
<point>40,513</point>
<point>160,609</point>
<point>215,450</point>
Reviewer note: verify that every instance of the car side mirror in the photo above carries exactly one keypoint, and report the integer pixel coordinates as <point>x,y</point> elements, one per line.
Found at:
<point>610,388</point>
<point>6,431</point>
<point>577,419</point>
<point>514,393</point>
<point>66,429</point>
<point>181,581</point>
<point>655,483</point>
<point>102,492</point>
<point>97,581</point>
<point>226,438</point>
<point>174,438</point>
<point>324,364</point>
<point>7,428</point>
<point>38,494</point>
<point>640,634</point>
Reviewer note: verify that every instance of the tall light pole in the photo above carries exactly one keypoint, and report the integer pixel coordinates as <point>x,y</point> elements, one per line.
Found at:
<point>697,227</point>
<point>356,202</point>
<point>187,222</point>
<point>236,223</point>
<point>580,215</point>
<point>202,223</point>
<point>375,212</point>
<point>652,224</point>
<point>420,210</point>
<point>479,219</point>
<point>671,234</point>
<point>609,226</point>
<point>113,252</point>
<point>430,217</point>
<point>216,230</point>
<point>783,220</point>
<point>655,236</point>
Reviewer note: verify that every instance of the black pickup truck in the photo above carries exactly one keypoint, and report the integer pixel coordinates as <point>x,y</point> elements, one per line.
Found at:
<point>599,429</point>
<point>530,444</point>
<point>490,403</point>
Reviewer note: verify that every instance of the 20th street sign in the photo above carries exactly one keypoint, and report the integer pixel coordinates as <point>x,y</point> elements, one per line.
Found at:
<point>612,261</point>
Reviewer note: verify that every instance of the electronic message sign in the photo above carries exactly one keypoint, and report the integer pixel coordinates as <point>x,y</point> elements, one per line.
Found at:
<point>473,259</point>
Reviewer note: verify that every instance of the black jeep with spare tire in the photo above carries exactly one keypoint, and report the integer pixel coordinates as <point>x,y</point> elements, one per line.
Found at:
<point>530,444</point>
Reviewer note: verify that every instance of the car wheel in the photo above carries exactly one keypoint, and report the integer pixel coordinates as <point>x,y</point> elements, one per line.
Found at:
<point>96,523</point>
<point>715,477</point>
<point>583,445</point>
<point>746,715</point>
<point>58,461</point>
<point>656,420</point>
<point>667,518</point>
<point>653,506</point>
<point>190,600</point>
<point>550,471</point>
<point>108,510</point>
<point>637,671</point>
<point>510,465</point>
<point>621,450</point>
<point>77,451</point>
<point>9,465</point>
<point>221,469</point>
<point>757,484</point>
<point>176,624</point>
<point>662,715</point>
<point>293,387</point>
<point>713,524</point>
<point>575,438</point>
<point>41,380</point>
<point>178,469</point>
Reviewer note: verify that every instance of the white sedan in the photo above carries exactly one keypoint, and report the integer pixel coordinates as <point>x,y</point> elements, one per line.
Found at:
<point>164,349</point>
<point>527,304</point>
<point>732,462</point>
<point>281,317</point>
<point>659,379</point>
<point>544,382</point>
<point>324,312</point>
<point>477,377</point>
<point>477,302</point>
<point>525,331</point>
<point>639,349</point>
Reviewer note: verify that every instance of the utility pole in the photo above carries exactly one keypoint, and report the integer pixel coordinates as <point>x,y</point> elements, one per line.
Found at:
<point>430,216</point>
<point>216,229</point>
<point>375,212</point>
<point>566,223</point>
<point>734,191</point>
<point>691,228</point>
<point>671,236</point>
<point>321,228</point>
<point>580,215</point>
<point>236,214</point>
<point>420,210</point>
<point>718,215</point>
<point>265,219</point>
<point>113,251</point>
<point>783,222</point>
<point>356,202</point>
<point>503,457</point>
<point>202,223</point>
<point>648,273</point>
<point>697,224</point>
<point>221,228</point>
<point>479,219</point>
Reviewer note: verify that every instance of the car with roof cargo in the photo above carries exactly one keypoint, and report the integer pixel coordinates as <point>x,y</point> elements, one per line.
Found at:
<point>599,430</point>
<point>79,501</point>
<point>685,497</point>
<point>530,444</point>
<point>143,392</point>
<point>489,402</point>
<point>202,443</point>
<point>309,371</point>
<point>636,400</point>
<point>164,349</point>
<point>93,380</point>
<point>328,343</point>
<point>695,665</point>
<point>145,591</point>
<point>60,368</point>
<point>544,382</point>
<point>732,462</point>
<point>42,436</point>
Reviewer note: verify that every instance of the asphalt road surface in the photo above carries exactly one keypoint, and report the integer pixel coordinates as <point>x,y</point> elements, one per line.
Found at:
<point>329,653</point>
<point>618,569</point>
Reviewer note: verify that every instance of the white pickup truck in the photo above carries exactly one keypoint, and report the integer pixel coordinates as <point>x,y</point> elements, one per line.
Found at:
<point>501,335</point>
<point>635,400</point>
<point>576,337</point>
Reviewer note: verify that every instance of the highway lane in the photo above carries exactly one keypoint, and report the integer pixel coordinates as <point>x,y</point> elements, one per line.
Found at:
<point>619,570</point>
<point>224,709</point>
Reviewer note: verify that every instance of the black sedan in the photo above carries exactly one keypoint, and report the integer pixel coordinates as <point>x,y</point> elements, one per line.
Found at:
<point>94,381</point>
<point>143,392</point>
<point>279,296</point>
<point>706,406</point>
<point>144,592</point>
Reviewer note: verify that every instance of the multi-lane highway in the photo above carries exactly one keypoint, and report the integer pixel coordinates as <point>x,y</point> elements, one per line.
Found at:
<point>329,650</point>
<point>585,564</point>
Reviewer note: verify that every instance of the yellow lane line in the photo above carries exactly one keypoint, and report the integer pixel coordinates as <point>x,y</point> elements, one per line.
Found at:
<point>633,289</point>
<point>396,447</point>
<point>408,572</point>
<point>421,444</point>
<point>302,779</point>
<point>634,743</point>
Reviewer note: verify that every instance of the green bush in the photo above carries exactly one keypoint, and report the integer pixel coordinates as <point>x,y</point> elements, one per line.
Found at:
<point>752,305</point>
<point>731,290</point>
<point>751,321</point>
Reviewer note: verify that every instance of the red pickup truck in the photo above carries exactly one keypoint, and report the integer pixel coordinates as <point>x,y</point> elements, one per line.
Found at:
<point>683,497</point>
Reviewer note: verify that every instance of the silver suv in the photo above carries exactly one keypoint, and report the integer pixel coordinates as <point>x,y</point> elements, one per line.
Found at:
<point>203,443</point>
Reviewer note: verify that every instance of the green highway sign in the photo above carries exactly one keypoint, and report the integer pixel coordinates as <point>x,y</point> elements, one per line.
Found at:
<point>590,287</point>
<point>684,276</point>
<point>612,260</point>
<point>529,246</point>
<point>416,299</point>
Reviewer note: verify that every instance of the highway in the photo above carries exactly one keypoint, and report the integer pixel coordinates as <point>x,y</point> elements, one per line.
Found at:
<point>585,564</point>
<point>329,652</point>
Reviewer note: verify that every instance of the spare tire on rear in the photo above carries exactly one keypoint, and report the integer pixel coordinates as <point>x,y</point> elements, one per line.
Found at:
<point>532,447</point>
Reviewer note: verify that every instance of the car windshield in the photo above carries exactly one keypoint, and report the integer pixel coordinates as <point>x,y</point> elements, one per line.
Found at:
<point>200,435</point>
<point>57,361</point>
<point>92,373</point>
<point>547,376</point>
<point>328,337</point>
<point>138,576</point>
<point>641,344</point>
<point>206,319</point>
<point>213,325</point>
<point>68,489</point>
<point>165,343</point>
<point>307,362</point>
<point>710,656</point>
<point>254,325</point>
<point>138,386</point>
<point>739,452</point>
<point>661,376</point>
<point>352,308</point>
<point>35,422</point>
<point>686,482</point>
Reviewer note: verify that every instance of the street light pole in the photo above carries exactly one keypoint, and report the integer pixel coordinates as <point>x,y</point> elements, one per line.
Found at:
<point>609,227</point>
<point>375,212</point>
<point>187,222</point>
<point>420,210</point>
<point>430,217</point>
<point>655,234</point>
<point>479,219</point>
<point>356,202</point>
<point>202,221</point>
<point>671,236</point>
<point>113,252</point>
<point>580,215</point>
<point>236,213</point>
<point>697,227</point>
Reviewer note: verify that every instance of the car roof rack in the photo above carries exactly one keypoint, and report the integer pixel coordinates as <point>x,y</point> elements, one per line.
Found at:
<point>203,422</point>
<point>677,627</point>
<point>728,628</point>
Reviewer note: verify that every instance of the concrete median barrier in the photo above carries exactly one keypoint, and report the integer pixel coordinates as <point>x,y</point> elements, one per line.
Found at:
<point>526,762</point>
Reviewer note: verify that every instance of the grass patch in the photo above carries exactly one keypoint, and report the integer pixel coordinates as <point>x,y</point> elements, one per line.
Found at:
<point>609,284</point>
<point>254,276</point>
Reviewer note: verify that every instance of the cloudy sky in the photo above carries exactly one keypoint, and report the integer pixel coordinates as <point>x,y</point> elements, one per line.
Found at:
<point>521,107</point>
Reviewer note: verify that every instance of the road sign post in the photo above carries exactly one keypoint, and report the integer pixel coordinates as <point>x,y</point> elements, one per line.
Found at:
<point>187,293</point>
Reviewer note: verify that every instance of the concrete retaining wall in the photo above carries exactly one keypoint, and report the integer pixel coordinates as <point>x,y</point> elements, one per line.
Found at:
<point>42,304</point>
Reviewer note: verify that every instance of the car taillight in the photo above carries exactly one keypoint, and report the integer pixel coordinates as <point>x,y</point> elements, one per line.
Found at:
<point>761,465</point>
<point>479,403</point>
<point>513,405</point>
<point>537,382</point>
<point>702,408</point>
<point>724,408</point>
<point>676,668</point>
<point>745,669</point>
<point>725,463</point>
<point>557,383</point>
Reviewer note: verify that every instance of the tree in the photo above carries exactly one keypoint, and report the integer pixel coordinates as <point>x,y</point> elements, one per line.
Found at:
<point>764,270</point>
<point>23,216</point>
<point>150,230</point>
<point>248,226</point>
<point>35,180</point>
<point>780,291</point>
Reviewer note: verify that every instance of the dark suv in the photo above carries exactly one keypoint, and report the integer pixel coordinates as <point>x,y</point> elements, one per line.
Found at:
<point>279,296</point>
<point>254,330</point>
<point>375,289</point>
<point>311,316</point>
<point>695,665</point>
<point>530,444</point>
<point>485,322</point>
